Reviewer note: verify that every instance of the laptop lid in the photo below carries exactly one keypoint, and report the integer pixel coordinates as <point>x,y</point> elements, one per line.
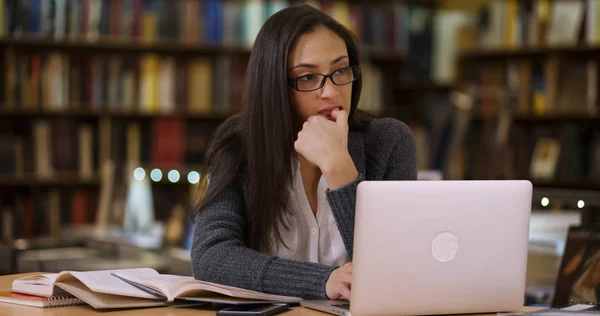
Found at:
<point>440,247</point>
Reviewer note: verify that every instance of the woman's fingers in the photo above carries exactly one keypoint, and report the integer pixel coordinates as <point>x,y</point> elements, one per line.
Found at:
<point>345,277</point>
<point>344,291</point>
<point>340,282</point>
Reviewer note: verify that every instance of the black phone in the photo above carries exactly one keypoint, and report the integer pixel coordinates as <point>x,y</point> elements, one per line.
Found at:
<point>253,309</point>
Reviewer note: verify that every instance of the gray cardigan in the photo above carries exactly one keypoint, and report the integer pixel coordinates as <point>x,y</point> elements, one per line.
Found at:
<point>384,150</point>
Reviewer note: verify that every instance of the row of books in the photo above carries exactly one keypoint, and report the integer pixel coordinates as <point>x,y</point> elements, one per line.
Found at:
<point>539,87</point>
<point>45,212</point>
<point>556,153</point>
<point>50,148</point>
<point>145,84</point>
<point>515,23</point>
<point>568,155</point>
<point>384,25</point>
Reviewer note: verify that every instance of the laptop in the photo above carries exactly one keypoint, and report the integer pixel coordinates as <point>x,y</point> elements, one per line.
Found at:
<point>437,247</point>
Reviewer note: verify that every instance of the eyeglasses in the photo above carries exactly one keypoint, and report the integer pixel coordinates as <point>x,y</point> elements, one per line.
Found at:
<point>313,82</point>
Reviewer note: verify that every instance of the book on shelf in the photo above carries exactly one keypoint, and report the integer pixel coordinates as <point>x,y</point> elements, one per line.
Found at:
<point>545,158</point>
<point>38,301</point>
<point>134,288</point>
<point>515,24</point>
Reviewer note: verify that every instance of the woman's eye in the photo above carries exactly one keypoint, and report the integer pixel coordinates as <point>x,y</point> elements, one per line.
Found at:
<point>341,71</point>
<point>307,77</point>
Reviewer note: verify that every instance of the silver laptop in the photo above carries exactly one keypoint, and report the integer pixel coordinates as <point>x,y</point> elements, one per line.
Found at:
<point>437,247</point>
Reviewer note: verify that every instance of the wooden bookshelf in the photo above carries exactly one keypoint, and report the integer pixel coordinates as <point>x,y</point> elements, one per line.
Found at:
<point>533,119</point>
<point>383,55</point>
<point>552,119</point>
<point>504,53</point>
<point>427,87</point>
<point>568,185</point>
<point>549,79</point>
<point>56,181</point>
<point>572,196</point>
<point>105,45</point>
<point>73,113</point>
<point>31,43</point>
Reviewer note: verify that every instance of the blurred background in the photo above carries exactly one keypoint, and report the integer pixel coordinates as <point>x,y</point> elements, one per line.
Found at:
<point>107,107</point>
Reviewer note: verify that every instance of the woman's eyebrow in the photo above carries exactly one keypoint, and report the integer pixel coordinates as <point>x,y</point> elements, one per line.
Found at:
<point>304,65</point>
<point>315,66</point>
<point>338,59</point>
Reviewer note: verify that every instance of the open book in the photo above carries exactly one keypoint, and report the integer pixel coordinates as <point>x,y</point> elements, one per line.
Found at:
<point>132,288</point>
<point>173,287</point>
<point>100,289</point>
<point>97,281</point>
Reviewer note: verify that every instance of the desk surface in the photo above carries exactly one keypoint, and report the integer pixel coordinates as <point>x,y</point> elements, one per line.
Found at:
<point>19,310</point>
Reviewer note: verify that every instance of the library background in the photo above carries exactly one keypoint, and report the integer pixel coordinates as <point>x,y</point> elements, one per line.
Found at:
<point>107,106</point>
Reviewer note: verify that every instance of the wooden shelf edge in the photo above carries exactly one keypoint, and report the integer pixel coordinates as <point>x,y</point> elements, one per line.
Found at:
<point>115,44</point>
<point>425,87</point>
<point>163,46</point>
<point>507,52</point>
<point>12,181</point>
<point>561,184</point>
<point>116,114</point>
<point>551,118</point>
<point>558,118</point>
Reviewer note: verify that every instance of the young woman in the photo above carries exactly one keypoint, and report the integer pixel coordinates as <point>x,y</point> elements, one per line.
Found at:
<point>278,213</point>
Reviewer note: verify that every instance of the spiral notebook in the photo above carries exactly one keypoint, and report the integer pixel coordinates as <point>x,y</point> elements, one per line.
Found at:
<point>38,301</point>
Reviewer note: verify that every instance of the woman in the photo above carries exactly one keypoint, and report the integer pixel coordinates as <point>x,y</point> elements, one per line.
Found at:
<point>278,215</point>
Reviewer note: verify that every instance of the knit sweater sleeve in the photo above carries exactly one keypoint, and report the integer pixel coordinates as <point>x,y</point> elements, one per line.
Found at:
<point>219,255</point>
<point>392,157</point>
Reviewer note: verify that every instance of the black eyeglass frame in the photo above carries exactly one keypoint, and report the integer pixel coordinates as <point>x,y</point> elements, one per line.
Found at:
<point>293,82</point>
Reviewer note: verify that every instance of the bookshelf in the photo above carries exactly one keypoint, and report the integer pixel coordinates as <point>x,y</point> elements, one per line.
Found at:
<point>56,181</point>
<point>532,78</point>
<point>116,114</point>
<point>549,120</point>
<point>580,51</point>
<point>92,89</point>
<point>163,46</point>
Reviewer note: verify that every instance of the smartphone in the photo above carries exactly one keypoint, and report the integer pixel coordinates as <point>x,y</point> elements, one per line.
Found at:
<point>252,309</point>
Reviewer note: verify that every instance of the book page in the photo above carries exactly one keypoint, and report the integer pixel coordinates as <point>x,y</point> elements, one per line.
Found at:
<point>106,301</point>
<point>174,286</point>
<point>164,283</point>
<point>192,285</point>
<point>38,279</point>
<point>104,282</point>
<point>38,284</point>
<point>51,277</point>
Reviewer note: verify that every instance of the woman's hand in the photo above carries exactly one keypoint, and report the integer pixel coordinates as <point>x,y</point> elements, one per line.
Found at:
<point>322,141</point>
<point>339,283</point>
<point>325,144</point>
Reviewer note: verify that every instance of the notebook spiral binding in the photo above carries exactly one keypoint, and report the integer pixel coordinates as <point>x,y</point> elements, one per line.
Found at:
<point>60,301</point>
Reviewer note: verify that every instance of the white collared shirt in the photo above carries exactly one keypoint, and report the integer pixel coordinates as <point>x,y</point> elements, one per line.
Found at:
<point>309,237</point>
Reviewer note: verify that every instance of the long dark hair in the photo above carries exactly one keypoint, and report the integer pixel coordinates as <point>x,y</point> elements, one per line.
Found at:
<point>260,140</point>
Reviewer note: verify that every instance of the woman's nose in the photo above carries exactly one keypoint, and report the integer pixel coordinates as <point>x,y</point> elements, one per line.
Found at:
<point>329,89</point>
